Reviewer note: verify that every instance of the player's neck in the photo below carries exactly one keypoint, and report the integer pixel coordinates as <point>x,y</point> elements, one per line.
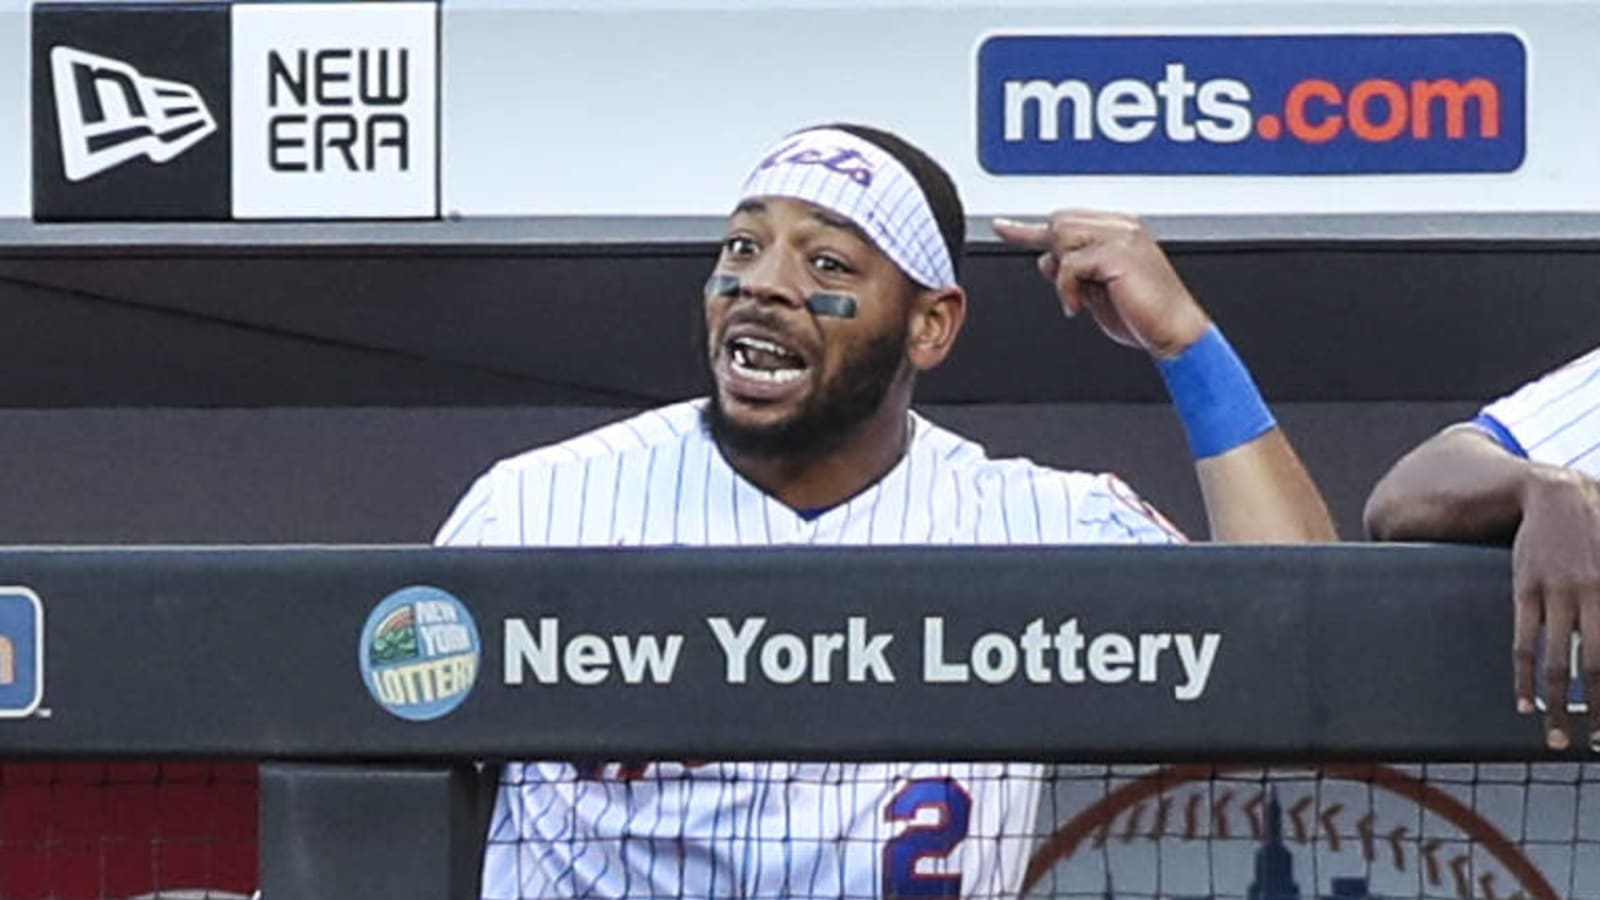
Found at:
<point>864,458</point>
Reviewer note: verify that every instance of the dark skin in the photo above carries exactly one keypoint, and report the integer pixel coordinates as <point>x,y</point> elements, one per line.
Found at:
<point>1111,265</point>
<point>1460,485</point>
<point>782,251</point>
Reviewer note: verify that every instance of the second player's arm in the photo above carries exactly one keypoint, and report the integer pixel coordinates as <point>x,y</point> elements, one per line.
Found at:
<point>1461,485</point>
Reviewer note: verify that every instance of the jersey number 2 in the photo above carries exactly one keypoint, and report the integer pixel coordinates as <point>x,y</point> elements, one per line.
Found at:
<point>918,842</point>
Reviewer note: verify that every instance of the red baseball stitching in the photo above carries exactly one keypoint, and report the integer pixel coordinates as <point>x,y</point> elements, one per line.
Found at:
<point>1129,804</point>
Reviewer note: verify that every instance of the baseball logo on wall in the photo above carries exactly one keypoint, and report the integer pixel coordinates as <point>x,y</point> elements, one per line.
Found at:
<point>1337,831</point>
<point>245,111</point>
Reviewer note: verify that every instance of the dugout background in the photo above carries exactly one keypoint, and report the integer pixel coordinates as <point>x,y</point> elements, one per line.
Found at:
<point>339,393</point>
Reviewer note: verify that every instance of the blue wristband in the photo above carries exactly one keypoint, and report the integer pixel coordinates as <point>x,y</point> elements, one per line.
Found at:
<point>1215,396</point>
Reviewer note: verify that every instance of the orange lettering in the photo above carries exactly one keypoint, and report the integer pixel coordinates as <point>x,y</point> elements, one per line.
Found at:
<point>1455,95</point>
<point>1360,107</point>
<point>1294,111</point>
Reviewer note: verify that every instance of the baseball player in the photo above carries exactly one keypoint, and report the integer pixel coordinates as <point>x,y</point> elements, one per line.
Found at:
<point>837,284</point>
<point>1521,473</point>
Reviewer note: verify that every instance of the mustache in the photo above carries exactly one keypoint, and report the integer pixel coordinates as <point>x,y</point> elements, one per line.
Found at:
<point>764,318</point>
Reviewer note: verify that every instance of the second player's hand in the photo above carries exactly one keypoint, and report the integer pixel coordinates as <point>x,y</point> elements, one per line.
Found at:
<point>1111,265</point>
<point>1555,563</point>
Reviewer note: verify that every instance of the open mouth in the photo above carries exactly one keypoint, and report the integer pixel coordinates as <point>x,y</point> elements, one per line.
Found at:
<point>762,360</point>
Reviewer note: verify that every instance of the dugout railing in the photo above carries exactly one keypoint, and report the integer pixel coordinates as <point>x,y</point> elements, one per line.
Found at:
<point>323,664</point>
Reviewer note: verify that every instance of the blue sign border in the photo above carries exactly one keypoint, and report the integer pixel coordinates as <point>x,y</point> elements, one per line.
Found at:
<point>27,594</point>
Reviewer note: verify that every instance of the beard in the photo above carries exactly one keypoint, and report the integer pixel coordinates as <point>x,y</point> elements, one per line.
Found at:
<point>829,417</point>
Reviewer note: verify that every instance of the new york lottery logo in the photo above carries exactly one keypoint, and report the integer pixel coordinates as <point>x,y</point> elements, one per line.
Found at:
<point>420,653</point>
<point>1251,104</point>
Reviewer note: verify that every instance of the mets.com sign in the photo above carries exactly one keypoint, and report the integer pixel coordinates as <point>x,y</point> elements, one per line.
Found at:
<point>1287,104</point>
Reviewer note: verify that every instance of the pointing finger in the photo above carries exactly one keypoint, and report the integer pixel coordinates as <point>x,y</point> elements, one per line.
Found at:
<point>1026,234</point>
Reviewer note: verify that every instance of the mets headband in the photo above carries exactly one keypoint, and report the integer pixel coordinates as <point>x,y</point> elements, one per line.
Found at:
<point>864,183</point>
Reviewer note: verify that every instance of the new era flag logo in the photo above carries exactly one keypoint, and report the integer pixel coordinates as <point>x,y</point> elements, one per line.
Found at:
<point>207,110</point>
<point>109,112</point>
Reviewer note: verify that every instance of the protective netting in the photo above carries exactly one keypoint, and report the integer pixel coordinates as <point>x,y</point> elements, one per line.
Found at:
<point>1458,831</point>
<point>76,831</point>
<point>89,830</point>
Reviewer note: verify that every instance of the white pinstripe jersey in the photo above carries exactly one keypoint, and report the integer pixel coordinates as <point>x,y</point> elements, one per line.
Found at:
<point>771,829</point>
<point>1555,419</point>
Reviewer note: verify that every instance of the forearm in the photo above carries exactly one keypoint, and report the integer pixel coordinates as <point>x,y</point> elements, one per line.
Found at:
<point>1458,485</point>
<point>1255,488</point>
<point>1259,492</point>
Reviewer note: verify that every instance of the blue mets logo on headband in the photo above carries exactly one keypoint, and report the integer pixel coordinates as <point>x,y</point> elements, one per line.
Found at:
<point>846,161</point>
<point>420,653</point>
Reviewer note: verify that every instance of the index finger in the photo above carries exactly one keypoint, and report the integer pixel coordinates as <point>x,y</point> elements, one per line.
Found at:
<point>1033,235</point>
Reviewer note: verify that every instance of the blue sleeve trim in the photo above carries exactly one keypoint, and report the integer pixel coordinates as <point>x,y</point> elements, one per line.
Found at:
<point>1500,433</point>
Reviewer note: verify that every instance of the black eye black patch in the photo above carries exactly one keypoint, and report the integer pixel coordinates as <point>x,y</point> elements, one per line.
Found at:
<point>719,285</point>
<point>839,306</point>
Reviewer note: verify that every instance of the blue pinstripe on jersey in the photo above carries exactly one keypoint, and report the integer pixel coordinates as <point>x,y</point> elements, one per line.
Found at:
<point>773,829</point>
<point>1554,419</point>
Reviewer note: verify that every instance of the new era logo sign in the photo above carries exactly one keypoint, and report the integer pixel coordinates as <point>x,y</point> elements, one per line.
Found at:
<point>131,111</point>
<point>211,110</point>
<point>109,112</point>
<point>335,110</point>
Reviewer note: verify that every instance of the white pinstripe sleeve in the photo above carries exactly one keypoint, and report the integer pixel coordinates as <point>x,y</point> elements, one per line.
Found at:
<point>1110,512</point>
<point>480,517</point>
<point>1041,505</point>
<point>1555,419</point>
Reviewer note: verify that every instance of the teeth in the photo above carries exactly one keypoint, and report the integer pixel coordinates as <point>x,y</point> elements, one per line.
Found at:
<point>759,344</point>
<point>774,376</point>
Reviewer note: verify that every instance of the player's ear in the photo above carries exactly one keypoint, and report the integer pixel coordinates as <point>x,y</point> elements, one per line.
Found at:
<point>936,319</point>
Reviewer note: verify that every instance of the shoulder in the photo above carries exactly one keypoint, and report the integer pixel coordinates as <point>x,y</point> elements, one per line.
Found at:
<point>1546,409</point>
<point>970,461</point>
<point>494,510</point>
<point>673,424</point>
<point>1091,506</point>
<point>1567,376</point>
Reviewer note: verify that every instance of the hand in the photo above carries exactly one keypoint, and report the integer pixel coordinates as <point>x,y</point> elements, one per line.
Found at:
<point>1110,264</point>
<point>1555,563</point>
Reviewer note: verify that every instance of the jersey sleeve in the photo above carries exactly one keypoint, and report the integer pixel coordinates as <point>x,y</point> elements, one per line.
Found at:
<point>1554,419</point>
<point>480,516</point>
<point>1112,513</point>
<point>1038,504</point>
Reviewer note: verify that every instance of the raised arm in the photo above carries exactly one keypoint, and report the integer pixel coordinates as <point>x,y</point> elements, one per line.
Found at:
<point>1259,492</point>
<point>1462,485</point>
<point>1254,485</point>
